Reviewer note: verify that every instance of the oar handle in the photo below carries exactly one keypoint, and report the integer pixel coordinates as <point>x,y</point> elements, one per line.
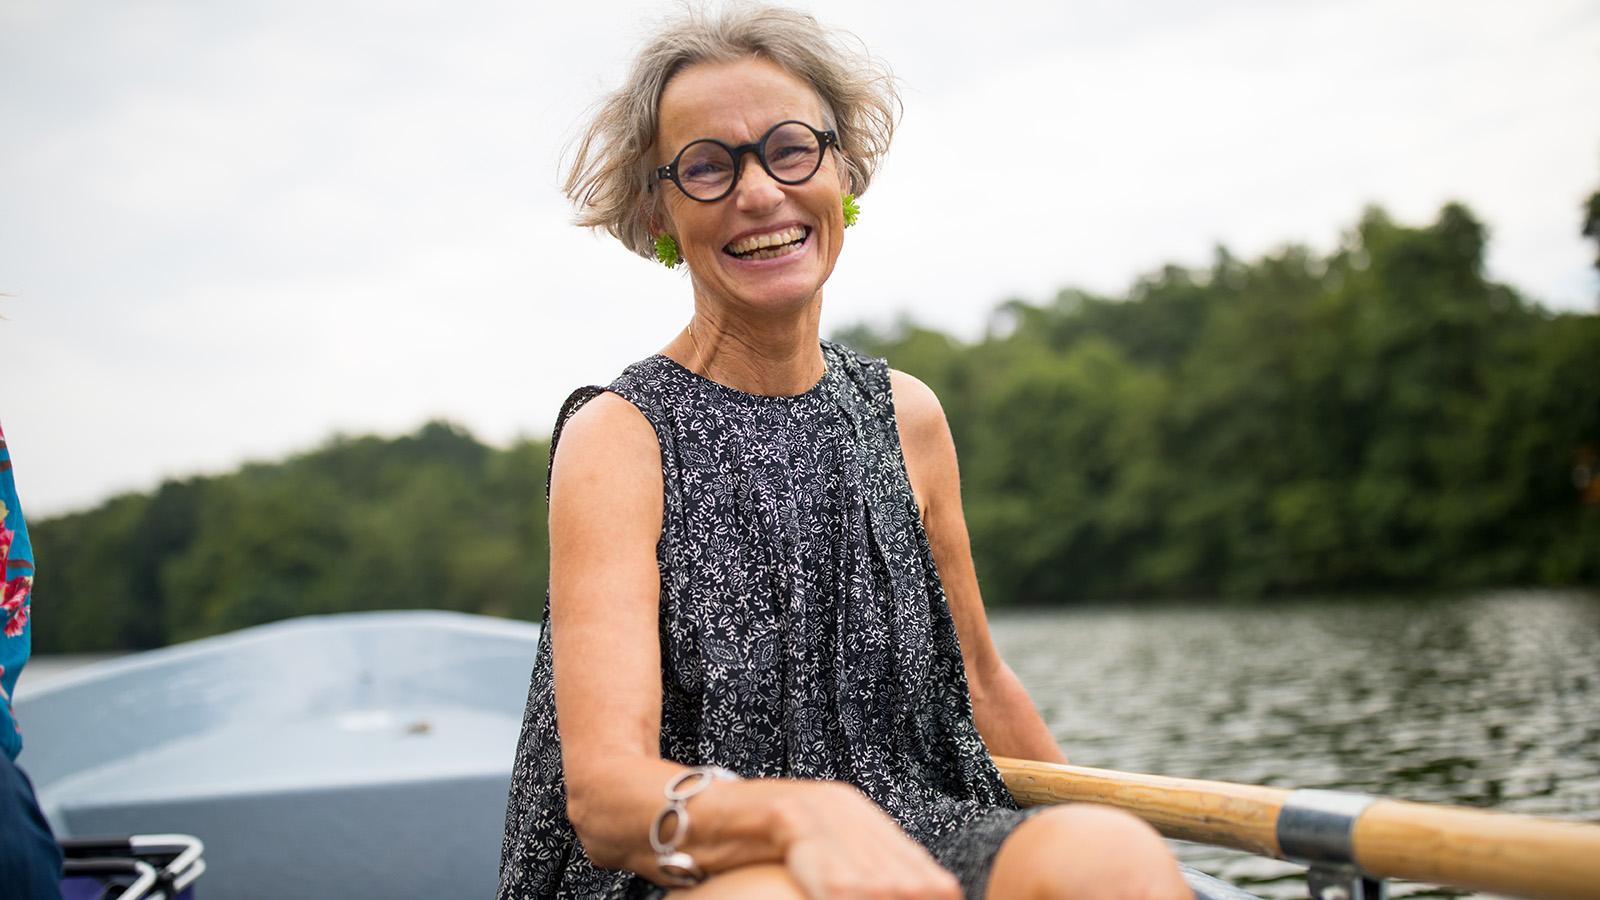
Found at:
<point>1477,850</point>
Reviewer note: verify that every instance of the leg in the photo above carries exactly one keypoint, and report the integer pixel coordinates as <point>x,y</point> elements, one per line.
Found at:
<point>1084,852</point>
<point>761,882</point>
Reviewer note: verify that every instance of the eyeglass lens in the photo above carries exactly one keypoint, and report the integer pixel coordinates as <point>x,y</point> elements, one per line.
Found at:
<point>791,153</point>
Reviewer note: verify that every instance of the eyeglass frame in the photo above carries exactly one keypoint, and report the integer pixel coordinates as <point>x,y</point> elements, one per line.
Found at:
<point>825,138</point>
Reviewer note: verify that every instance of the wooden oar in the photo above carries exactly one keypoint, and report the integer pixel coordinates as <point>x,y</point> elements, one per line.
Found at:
<point>1476,850</point>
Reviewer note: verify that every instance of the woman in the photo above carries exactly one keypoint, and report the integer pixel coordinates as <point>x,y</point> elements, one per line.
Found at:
<point>759,563</point>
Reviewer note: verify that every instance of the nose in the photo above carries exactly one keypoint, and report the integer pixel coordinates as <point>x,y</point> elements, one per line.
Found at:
<point>756,191</point>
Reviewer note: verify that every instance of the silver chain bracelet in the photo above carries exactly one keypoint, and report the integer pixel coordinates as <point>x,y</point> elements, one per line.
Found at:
<point>680,868</point>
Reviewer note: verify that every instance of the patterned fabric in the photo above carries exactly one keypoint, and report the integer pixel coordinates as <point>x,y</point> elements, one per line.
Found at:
<point>16,562</point>
<point>804,632</point>
<point>969,851</point>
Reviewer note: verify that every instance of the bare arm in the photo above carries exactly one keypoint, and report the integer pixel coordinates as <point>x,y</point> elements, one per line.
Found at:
<point>605,515</point>
<point>1006,717</point>
<point>605,521</point>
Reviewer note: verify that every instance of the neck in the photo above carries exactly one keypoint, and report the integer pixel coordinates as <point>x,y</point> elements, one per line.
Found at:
<point>773,358</point>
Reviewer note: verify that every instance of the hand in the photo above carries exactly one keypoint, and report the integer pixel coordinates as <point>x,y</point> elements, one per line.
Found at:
<point>843,847</point>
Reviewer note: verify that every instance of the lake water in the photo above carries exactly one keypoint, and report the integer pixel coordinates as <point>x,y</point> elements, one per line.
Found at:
<point>1489,701</point>
<point>1486,701</point>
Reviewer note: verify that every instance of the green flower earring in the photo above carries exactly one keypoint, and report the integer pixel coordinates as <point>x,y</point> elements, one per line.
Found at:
<point>667,251</point>
<point>852,210</point>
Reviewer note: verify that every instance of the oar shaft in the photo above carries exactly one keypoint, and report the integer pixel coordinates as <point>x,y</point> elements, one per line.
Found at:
<point>1240,816</point>
<point>1497,852</point>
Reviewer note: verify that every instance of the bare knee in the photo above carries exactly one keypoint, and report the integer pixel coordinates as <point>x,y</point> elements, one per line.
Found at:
<point>759,882</point>
<point>1083,852</point>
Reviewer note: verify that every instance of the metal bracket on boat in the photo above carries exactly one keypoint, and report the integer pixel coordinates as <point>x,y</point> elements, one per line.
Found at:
<point>1315,829</point>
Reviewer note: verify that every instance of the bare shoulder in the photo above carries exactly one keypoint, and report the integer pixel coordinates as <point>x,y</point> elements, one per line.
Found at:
<point>607,463</point>
<point>926,444</point>
<point>607,429</point>
<point>918,415</point>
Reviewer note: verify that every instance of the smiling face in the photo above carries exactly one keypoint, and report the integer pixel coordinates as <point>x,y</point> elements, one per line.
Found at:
<point>767,247</point>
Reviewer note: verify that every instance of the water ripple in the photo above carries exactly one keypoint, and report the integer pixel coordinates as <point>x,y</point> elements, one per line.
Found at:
<point>1488,701</point>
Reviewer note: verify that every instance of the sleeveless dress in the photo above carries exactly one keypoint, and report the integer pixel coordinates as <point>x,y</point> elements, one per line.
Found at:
<point>805,632</point>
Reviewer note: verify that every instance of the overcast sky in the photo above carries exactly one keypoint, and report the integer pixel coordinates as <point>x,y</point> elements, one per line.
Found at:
<point>230,228</point>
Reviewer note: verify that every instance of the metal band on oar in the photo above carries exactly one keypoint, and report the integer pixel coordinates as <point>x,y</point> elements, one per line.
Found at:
<point>1476,850</point>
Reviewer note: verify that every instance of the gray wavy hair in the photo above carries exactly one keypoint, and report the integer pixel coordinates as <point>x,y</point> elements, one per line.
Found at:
<point>609,179</point>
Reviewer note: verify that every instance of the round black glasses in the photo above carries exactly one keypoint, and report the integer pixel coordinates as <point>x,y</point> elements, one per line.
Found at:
<point>706,170</point>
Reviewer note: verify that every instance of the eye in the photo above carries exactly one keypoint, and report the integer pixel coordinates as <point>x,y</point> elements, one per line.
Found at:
<point>704,161</point>
<point>792,149</point>
<point>788,152</point>
<point>705,168</point>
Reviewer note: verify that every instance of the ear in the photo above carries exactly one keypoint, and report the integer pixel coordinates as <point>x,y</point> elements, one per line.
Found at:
<point>652,216</point>
<point>846,183</point>
<point>645,209</point>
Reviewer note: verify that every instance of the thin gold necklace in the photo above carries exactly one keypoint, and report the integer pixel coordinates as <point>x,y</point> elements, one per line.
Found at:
<point>696,344</point>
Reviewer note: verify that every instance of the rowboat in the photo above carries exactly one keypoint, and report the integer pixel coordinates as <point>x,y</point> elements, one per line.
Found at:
<point>369,755</point>
<point>348,756</point>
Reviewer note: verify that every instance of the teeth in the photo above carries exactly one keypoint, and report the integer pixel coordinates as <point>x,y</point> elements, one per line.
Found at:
<point>763,241</point>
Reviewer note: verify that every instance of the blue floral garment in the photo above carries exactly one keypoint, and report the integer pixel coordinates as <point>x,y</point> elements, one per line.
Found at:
<point>804,629</point>
<point>16,555</point>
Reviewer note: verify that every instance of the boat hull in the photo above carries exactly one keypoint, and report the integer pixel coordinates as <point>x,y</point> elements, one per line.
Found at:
<point>361,755</point>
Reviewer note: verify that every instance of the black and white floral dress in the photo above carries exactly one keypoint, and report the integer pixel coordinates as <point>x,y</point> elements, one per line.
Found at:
<point>804,630</point>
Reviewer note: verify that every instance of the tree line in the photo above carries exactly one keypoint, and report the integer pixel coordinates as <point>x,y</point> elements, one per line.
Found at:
<point>434,520</point>
<point>1381,417</point>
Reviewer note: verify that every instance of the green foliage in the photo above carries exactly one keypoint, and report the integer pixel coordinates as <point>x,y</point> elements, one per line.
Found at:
<point>1039,524</point>
<point>97,596</point>
<point>431,520</point>
<point>1384,417</point>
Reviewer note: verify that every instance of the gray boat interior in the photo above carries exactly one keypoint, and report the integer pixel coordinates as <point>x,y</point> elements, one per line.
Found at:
<point>366,754</point>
